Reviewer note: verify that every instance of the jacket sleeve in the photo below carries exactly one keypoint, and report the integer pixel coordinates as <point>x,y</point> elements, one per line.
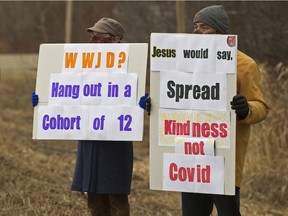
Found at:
<point>248,79</point>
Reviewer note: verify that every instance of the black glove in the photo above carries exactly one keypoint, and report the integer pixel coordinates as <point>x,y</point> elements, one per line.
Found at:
<point>240,105</point>
<point>148,103</point>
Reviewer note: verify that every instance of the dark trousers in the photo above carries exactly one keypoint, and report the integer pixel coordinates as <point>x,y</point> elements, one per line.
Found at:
<point>195,204</point>
<point>108,204</point>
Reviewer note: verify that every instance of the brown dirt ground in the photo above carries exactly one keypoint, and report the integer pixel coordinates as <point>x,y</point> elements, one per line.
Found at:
<point>35,176</point>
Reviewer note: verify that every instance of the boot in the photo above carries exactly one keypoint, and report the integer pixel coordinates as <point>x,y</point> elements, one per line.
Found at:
<point>98,204</point>
<point>119,205</point>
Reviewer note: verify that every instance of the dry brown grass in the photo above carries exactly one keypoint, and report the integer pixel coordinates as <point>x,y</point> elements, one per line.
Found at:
<point>35,176</point>
<point>266,173</point>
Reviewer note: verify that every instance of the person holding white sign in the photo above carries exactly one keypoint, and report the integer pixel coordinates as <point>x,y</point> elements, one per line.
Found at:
<point>250,108</point>
<point>104,168</point>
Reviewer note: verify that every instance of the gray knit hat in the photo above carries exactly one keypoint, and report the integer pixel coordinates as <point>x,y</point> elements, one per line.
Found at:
<point>215,16</point>
<point>108,25</point>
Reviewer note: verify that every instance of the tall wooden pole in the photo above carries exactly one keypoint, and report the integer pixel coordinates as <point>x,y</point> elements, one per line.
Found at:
<point>68,21</point>
<point>180,16</point>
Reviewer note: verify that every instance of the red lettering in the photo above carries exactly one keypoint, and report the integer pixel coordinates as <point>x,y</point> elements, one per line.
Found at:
<point>176,128</point>
<point>205,130</point>
<point>182,174</point>
<point>202,148</point>
<point>223,130</point>
<point>168,126</point>
<point>206,174</point>
<point>190,173</point>
<point>187,147</point>
<point>198,173</point>
<point>196,130</point>
<point>195,148</point>
<point>214,130</point>
<point>172,170</point>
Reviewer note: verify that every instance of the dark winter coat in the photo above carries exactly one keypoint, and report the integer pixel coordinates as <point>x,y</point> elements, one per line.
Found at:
<point>103,167</point>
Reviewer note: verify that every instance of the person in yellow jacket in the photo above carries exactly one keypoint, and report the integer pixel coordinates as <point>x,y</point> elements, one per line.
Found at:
<point>250,108</point>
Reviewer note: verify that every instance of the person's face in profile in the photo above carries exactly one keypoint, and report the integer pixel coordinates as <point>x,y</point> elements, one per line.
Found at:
<point>97,37</point>
<point>202,28</point>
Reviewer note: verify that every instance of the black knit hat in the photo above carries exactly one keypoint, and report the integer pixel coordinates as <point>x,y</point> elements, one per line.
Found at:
<point>215,16</point>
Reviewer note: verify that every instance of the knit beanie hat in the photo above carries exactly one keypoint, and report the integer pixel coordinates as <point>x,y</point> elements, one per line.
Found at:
<point>215,16</point>
<point>108,25</point>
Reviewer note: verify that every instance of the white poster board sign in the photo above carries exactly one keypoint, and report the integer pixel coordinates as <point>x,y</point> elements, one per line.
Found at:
<point>90,91</point>
<point>192,127</point>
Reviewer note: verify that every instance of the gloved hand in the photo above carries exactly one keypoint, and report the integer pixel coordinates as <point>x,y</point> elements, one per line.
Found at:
<point>34,99</point>
<point>240,105</point>
<point>145,103</point>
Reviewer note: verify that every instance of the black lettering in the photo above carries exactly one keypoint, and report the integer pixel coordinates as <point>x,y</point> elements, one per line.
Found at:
<point>173,53</point>
<point>225,55</point>
<point>199,54</point>
<point>215,95</point>
<point>196,92</point>
<point>171,92</point>
<point>154,51</point>
<point>179,91</point>
<point>219,55</point>
<point>186,53</point>
<point>205,54</point>
<point>188,88</point>
<point>164,53</point>
<point>205,92</point>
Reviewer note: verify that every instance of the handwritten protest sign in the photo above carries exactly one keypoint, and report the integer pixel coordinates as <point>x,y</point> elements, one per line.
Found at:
<point>90,91</point>
<point>192,127</point>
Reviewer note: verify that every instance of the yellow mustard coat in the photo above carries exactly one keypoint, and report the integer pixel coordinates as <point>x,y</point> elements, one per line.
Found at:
<point>248,84</point>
